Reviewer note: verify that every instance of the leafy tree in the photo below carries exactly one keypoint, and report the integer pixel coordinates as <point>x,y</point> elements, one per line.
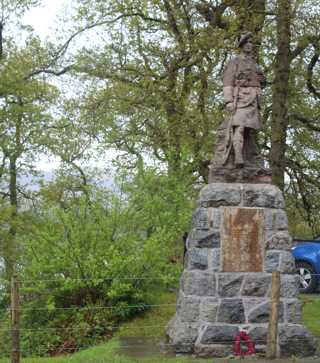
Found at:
<point>152,86</point>
<point>25,120</point>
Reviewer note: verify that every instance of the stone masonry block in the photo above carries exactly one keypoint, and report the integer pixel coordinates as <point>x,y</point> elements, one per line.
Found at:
<point>258,335</point>
<point>295,340</point>
<point>263,195</point>
<point>197,259</point>
<point>214,259</point>
<point>261,313</point>
<point>287,263</point>
<point>199,283</point>
<point>215,334</point>
<point>289,286</point>
<point>206,218</point>
<point>231,311</point>
<point>229,284</point>
<point>214,218</point>
<point>272,261</point>
<point>182,335</point>
<point>209,309</point>
<point>256,285</point>
<point>220,194</point>
<point>279,241</point>
<point>275,220</point>
<point>188,309</point>
<point>203,239</point>
<point>200,219</point>
<point>251,303</point>
<point>294,311</point>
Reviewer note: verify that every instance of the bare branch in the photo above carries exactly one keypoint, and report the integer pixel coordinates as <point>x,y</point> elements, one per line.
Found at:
<point>311,66</point>
<point>46,68</point>
<point>49,71</point>
<point>25,195</point>
<point>303,43</point>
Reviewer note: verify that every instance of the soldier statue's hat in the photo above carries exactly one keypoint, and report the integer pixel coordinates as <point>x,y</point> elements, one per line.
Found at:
<point>242,39</point>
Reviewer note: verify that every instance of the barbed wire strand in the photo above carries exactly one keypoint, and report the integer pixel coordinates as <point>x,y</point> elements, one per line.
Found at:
<point>88,308</point>
<point>102,279</point>
<point>107,327</point>
<point>97,279</point>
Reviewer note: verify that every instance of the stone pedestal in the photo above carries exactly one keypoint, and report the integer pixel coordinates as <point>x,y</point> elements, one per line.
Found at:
<point>249,174</point>
<point>239,237</point>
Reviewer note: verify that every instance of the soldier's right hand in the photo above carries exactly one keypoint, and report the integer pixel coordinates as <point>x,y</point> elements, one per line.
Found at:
<point>229,106</point>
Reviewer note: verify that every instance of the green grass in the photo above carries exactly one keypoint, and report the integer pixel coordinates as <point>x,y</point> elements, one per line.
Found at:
<point>106,353</point>
<point>156,320</point>
<point>96,354</point>
<point>311,313</point>
<point>152,322</point>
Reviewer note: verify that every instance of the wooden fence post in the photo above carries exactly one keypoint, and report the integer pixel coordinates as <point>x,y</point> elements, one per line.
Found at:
<point>15,321</point>
<point>274,314</point>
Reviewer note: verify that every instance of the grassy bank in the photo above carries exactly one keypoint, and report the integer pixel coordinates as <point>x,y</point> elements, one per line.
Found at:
<point>311,313</point>
<point>151,323</point>
<point>107,353</point>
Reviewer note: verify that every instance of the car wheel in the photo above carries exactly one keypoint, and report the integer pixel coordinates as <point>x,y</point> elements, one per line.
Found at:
<point>308,279</point>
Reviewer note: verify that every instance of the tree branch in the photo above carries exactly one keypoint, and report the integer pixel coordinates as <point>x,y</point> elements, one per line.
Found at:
<point>310,124</point>
<point>49,71</point>
<point>213,14</point>
<point>63,49</point>
<point>303,43</point>
<point>311,66</point>
<point>172,22</point>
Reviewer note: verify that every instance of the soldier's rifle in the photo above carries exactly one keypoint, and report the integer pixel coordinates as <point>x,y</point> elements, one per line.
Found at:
<point>229,131</point>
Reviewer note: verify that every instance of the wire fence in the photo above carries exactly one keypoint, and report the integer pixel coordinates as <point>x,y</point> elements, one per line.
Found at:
<point>79,332</point>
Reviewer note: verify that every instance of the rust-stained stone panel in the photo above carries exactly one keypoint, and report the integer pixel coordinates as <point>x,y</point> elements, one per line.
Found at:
<point>242,239</point>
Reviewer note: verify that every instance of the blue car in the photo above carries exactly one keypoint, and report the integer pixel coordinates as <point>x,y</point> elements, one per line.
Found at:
<point>307,257</point>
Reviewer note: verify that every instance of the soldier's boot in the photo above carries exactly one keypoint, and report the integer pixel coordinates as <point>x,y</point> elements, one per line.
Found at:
<point>238,146</point>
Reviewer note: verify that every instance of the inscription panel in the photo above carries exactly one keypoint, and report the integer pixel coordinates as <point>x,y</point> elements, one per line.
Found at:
<point>242,239</point>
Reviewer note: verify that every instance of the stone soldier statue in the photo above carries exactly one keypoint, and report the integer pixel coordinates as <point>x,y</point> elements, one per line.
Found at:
<point>242,83</point>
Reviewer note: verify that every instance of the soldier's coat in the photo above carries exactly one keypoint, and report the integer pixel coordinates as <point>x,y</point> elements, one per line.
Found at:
<point>242,86</point>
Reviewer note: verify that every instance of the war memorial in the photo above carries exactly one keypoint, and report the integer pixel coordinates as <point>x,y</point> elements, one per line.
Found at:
<point>239,236</point>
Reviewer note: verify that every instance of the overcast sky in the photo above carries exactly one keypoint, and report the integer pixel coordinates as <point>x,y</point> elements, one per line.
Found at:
<point>43,20</point>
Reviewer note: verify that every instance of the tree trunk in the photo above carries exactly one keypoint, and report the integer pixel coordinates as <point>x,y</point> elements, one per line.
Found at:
<point>12,250</point>
<point>172,113</point>
<point>1,39</point>
<point>280,92</point>
<point>10,255</point>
